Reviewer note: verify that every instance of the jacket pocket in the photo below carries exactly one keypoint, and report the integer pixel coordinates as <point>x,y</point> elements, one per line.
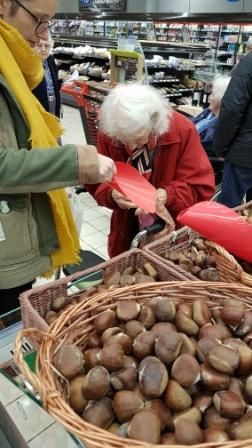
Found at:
<point>20,236</point>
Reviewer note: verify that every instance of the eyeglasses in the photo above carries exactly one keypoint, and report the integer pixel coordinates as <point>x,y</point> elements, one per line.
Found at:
<point>41,25</point>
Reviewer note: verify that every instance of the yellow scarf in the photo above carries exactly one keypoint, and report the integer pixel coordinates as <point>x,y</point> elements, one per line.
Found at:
<point>22,69</point>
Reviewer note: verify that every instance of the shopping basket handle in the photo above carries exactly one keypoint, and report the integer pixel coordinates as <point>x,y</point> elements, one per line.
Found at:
<point>155,228</point>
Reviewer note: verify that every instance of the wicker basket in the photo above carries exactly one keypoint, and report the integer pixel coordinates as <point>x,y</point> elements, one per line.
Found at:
<point>229,269</point>
<point>79,319</point>
<point>36,302</point>
<point>243,207</point>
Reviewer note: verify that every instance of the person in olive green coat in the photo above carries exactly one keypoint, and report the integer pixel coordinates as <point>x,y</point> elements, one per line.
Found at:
<point>33,227</point>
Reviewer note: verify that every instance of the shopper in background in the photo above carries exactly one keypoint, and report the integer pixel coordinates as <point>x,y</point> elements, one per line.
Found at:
<point>207,120</point>
<point>233,135</point>
<point>37,230</point>
<point>137,126</point>
<point>48,91</point>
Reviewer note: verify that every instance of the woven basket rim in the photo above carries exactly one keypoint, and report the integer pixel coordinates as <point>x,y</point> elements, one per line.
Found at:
<point>45,385</point>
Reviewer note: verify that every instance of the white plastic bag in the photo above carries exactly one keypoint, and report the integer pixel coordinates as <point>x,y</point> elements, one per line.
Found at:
<point>76,207</point>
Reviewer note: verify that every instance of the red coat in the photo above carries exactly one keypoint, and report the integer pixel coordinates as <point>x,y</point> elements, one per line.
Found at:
<point>181,167</point>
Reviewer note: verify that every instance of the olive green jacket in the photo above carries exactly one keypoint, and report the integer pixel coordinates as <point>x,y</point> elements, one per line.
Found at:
<point>27,231</point>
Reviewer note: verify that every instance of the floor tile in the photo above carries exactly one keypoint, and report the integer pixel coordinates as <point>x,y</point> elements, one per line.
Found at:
<point>96,240</point>
<point>8,391</point>
<point>87,229</point>
<point>101,223</point>
<point>53,437</point>
<point>29,418</point>
<point>91,214</point>
<point>103,251</point>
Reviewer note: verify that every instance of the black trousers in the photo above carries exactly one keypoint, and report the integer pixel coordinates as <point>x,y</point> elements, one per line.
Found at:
<point>9,297</point>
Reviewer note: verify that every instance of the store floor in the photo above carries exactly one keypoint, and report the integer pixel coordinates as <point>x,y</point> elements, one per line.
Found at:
<point>95,219</point>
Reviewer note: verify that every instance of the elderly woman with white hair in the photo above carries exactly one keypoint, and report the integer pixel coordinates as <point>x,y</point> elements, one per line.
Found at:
<point>207,120</point>
<point>138,126</point>
<point>48,91</point>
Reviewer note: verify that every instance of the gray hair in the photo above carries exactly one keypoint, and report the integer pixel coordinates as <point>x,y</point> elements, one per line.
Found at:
<point>220,84</point>
<point>130,108</point>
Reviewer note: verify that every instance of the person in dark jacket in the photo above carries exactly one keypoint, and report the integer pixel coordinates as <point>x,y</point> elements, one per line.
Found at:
<point>48,91</point>
<point>138,127</point>
<point>207,120</point>
<point>233,135</point>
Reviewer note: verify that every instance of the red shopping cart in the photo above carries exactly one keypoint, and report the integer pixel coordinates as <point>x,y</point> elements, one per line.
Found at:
<point>88,98</point>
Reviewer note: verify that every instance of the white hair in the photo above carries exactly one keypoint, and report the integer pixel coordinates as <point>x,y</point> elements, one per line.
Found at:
<point>130,108</point>
<point>220,84</point>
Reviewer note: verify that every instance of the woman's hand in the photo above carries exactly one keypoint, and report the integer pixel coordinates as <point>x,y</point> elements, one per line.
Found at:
<point>161,200</point>
<point>122,201</point>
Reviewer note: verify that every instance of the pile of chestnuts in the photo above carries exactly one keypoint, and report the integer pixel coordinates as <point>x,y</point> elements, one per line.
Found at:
<point>111,280</point>
<point>195,260</point>
<point>165,372</point>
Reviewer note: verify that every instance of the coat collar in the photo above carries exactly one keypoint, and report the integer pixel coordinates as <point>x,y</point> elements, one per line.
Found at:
<point>172,136</point>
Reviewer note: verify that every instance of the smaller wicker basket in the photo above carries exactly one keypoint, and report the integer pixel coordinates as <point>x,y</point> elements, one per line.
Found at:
<point>74,326</point>
<point>241,208</point>
<point>36,302</point>
<point>229,269</point>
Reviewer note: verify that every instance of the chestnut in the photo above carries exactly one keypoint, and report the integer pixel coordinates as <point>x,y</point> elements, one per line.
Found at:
<point>111,279</point>
<point>93,341</point>
<point>214,331</point>
<point>242,430</point>
<point>58,303</point>
<point>186,370</point>
<point>99,413</point>
<point>144,344</point>
<point>186,308</point>
<point>176,397</point>
<point>188,345</point>
<point>133,328</point>
<point>162,411</point>
<point>149,269</point>
<point>204,345</point>
<point>245,326</point>
<point>153,377</point>
<point>147,317</point>
<point>145,426</point>
<point>69,361</point>
<point>96,383</point>
<point>105,320</point>
<point>164,310</point>
<point>163,328</point>
<point>129,361</point>
<point>245,354</point>
<point>228,404</point>
<point>185,324</point>
<point>248,388</point>
<point>50,317</point>
<point>213,380</point>
<point>232,313</point>
<point>76,398</point>
<point>213,419</point>
<point>114,429</point>
<point>107,334</point>
<point>124,378</point>
<point>216,435</point>
<point>193,414</point>
<point>121,339</point>
<point>127,280</point>
<point>223,358</point>
<point>201,313</point>
<point>203,402</point>
<point>126,404</point>
<point>188,432</point>
<point>91,358</point>
<point>127,310</point>
<point>111,356</point>
<point>168,346</point>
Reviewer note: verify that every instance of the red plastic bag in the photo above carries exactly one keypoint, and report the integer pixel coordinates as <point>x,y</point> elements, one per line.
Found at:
<point>222,225</point>
<point>135,187</point>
